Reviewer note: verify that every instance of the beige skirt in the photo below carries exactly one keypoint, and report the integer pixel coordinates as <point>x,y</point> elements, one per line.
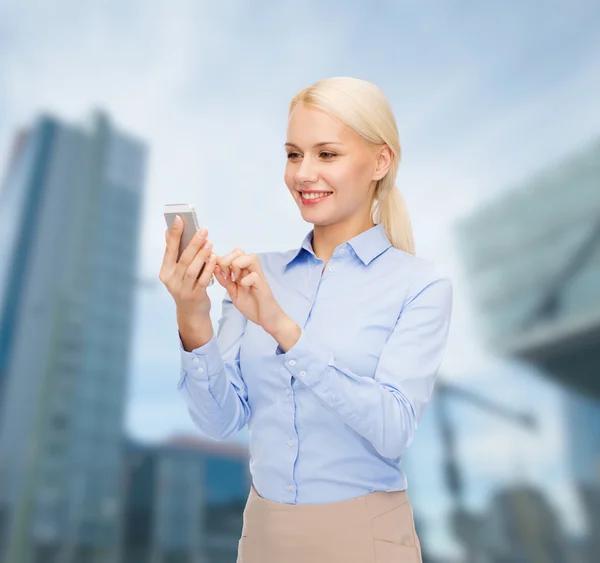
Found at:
<point>373,528</point>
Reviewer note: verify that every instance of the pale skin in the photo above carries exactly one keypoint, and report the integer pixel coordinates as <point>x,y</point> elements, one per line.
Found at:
<point>322,155</point>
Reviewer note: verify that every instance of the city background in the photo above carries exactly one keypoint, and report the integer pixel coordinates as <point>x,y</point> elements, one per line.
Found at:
<point>109,111</point>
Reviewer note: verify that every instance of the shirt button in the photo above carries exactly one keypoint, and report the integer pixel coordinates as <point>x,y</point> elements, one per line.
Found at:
<point>290,443</point>
<point>289,487</point>
<point>292,362</point>
<point>342,251</point>
<point>196,359</point>
<point>308,306</point>
<point>302,373</point>
<point>287,391</point>
<point>200,369</point>
<point>331,268</point>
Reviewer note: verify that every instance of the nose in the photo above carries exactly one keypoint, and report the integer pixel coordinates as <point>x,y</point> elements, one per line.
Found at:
<point>306,173</point>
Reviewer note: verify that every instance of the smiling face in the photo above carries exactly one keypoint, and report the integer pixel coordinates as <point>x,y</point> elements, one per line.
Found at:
<point>325,156</point>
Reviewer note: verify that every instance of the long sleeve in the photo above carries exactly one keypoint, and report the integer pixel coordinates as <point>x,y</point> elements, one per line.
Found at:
<point>386,408</point>
<point>211,383</point>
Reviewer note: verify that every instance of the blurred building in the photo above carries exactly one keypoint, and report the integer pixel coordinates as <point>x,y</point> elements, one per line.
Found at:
<point>69,225</point>
<point>578,550</point>
<point>184,501</point>
<point>522,527</point>
<point>532,259</point>
<point>583,436</point>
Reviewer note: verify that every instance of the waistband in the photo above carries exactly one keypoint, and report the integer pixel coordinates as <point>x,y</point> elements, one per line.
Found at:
<point>377,502</point>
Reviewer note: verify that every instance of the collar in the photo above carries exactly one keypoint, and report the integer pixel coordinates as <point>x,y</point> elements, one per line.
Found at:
<point>366,245</point>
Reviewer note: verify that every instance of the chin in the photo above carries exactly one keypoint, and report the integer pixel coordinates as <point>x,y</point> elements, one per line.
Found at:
<point>322,222</point>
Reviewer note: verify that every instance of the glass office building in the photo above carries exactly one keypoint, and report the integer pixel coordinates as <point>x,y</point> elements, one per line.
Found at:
<point>184,501</point>
<point>70,221</point>
<point>522,526</point>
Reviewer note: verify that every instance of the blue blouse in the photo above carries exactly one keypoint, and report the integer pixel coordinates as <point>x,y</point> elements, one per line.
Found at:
<point>329,419</point>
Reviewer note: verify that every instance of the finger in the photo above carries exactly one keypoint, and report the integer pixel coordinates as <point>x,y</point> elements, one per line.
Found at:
<point>197,242</point>
<point>238,265</point>
<point>236,273</point>
<point>221,266</point>
<point>225,261</point>
<point>173,237</point>
<point>194,269</point>
<point>244,273</point>
<point>208,271</point>
<point>252,280</point>
<point>228,259</point>
<point>249,262</point>
<point>220,276</point>
<point>228,284</point>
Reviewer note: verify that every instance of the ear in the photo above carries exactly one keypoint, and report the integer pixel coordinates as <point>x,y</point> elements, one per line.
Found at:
<point>384,161</point>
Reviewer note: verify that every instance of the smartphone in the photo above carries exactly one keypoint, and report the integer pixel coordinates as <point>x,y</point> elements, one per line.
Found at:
<point>190,222</point>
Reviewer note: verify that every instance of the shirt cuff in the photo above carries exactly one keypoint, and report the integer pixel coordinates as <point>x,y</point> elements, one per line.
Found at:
<point>204,361</point>
<point>306,360</point>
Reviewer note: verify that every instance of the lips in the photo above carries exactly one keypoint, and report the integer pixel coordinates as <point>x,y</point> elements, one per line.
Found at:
<point>314,200</point>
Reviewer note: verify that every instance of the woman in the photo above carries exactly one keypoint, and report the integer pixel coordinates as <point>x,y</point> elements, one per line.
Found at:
<point>335,369</point>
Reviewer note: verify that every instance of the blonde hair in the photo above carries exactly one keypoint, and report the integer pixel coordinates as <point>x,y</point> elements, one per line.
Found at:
<point>363,107</point>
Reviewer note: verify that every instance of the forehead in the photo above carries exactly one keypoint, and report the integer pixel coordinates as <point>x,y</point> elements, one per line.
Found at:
<point>309,125</point>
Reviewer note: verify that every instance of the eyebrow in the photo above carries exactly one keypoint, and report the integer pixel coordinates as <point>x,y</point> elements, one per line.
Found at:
<point>316,146</point>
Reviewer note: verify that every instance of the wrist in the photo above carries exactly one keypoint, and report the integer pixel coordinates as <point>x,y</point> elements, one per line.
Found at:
<point>283,324</point>
<point>286,333</point>
<point>194,332</point>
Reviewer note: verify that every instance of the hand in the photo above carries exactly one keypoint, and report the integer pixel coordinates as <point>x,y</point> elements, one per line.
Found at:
<point>187,279</point>
<point>241,274</point>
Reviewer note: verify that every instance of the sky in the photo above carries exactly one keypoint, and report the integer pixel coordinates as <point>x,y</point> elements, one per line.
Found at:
<point>485,96</point>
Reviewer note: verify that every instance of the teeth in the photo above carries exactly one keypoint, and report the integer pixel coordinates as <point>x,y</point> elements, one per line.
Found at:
<point>314,195</point>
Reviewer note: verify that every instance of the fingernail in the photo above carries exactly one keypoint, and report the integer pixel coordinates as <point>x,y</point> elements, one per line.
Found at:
<point>207,244</point>
<point>177,221</point>
<point>232,276</point>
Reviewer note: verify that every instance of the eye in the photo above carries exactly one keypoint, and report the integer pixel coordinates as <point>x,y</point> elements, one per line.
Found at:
<point>292,155</point>
<point>327,155</point>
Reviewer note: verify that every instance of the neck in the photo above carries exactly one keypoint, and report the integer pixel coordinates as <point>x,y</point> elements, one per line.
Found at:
<point>328,237</point>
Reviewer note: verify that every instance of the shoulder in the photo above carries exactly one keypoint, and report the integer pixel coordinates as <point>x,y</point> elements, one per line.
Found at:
<point>421,273</point>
